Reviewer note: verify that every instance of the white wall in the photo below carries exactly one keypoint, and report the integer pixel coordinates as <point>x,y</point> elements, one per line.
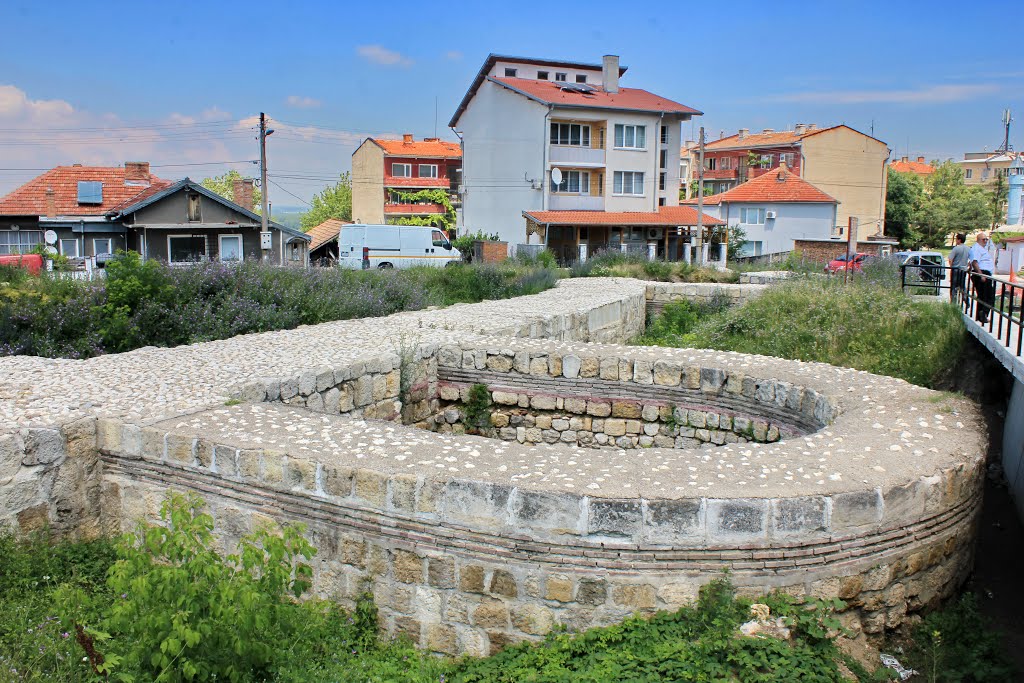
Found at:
<point>594,76</point>
<point>504,140</point>
<point>796,220</point>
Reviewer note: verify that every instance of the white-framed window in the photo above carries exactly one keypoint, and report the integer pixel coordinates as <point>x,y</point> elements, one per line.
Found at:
<point>663,158</point>
<point>543,75</point>
<point>575,134</point>
<point>229,247</point>
<point>573,182</point>
<point>560,76</point>
<point>725,163</point>
<point>295,250</point>
<point>69,248</point>
<point>102,245</point>
<point>401,170</point>
<point>786,158</point>
<point>19,241</point>
<point>195,208</point>
<point>661,181</point>
<point>752,216</point>
<point>664,135</point>
<point>428,170</point>
<point>186,248</point>
<point>628,182</point>
<point>984,174</point>
<point>969,173</point>
<point>628,136</point>
<point>510,73</point>
<point>710,163</point>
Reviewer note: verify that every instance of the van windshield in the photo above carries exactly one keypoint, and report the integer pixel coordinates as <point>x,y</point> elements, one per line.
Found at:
<point>438,238</point>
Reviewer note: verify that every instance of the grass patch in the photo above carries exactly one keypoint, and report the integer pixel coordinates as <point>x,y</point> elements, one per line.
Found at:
<point>611,263</point>
<point>147,303</point>
<point>867,324</point>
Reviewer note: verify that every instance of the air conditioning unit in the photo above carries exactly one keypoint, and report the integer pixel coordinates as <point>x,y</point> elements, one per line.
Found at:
<point>653,233</point>
<point>769,215</point>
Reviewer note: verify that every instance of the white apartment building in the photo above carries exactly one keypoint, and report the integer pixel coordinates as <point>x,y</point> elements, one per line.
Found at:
<point>559,140</point>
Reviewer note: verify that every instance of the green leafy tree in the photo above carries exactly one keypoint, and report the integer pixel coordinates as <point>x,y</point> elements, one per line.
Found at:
<point>224,185</point>
<point>332,202</point>
<point>903,199</point>
<point>950,206</point>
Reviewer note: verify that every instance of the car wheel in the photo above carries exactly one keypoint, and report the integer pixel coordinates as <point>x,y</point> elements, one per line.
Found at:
<point>384,266</point>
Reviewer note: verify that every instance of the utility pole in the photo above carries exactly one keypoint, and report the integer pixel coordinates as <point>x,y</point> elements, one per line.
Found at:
<point>265,240</point>
<point>700,189</point>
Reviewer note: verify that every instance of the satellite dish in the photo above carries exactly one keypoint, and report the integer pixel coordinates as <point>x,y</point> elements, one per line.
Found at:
<point>52,251</point>
<point>556,176</point>
<point>50,236</point>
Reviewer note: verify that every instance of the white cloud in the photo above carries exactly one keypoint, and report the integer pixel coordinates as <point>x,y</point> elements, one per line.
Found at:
<point>453,55</point>
<point>931,94</point>
<point>300,102</point>
<point>378,54</point>
<point>15,107</point>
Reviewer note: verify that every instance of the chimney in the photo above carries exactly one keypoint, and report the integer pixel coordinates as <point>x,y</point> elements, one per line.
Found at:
<point>610,73</point>
<point>768,130</point>
<point>431,139</point>
<point>903,160</point>
<point>744,132</point>
<point>800,128</point>
<point>812,126</point>
<point>920,160</point>
<point>689,144</point>
<point>136,172</point>
<point>241,190</point>
<point>51,202</point>
<point>407,138</point>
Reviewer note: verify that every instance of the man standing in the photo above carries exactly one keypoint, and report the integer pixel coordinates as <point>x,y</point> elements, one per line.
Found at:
<point>959,261</point>
<point>981,275</point>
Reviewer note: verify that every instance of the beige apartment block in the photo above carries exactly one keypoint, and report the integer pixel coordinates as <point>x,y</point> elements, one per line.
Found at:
<point>985,168</point>
<point>368,184</point>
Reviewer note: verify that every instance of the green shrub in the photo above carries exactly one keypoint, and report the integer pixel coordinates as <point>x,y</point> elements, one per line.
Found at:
<point>477,407</point>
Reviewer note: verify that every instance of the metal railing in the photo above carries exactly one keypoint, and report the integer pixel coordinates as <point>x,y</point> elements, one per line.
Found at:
<point>995,303</point>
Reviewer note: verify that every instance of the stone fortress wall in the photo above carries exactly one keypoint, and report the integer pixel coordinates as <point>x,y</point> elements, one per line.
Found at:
<point>468,543</point>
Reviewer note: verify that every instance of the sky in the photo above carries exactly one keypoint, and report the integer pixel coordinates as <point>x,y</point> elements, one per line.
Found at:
<point>180,84</point>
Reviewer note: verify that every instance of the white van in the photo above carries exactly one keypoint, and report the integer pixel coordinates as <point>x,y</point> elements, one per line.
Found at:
<point>363,246</point>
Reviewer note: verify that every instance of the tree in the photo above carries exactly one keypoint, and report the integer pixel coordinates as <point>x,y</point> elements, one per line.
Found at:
<point>224,185</point>
<point>903,200</point>
<point>332,202</point>
<point>949,206</point>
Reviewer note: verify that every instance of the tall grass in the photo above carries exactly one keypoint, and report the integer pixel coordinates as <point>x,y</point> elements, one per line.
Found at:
<point>614,263</point>
<point>151,304</point>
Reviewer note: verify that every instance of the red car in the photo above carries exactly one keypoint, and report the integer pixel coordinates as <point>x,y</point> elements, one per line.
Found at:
<point>855,264</point>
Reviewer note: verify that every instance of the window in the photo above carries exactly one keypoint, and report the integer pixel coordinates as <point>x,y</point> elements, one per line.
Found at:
<point>661,181</point>
<point>630,137</point>
<point>186,248</point>
<point>710,163</point>
<point>510,73</point>
<point>570,134</point>
<point>195,213</point>
<point>581,78</point>
<point>559,76</point>
<point>663,159</point>
<point>542,75</point>
<point>664,135</point>
<point>102,246</point>
<point>294,251</point>
<point>661,201</point>
<point>628,182</point>
<point>90,192</point>
<point>401,170</point>
<point>230,247</point>
<point>969,173</point>
<point>69,248</point>
<point>786,159</point>
<point>437,239</point>
<point>428,170</point>
<point>984,174</point>
<point>725,163</point>
<point>573,182</point>
<point>19,241</point>
<point>752,216</point>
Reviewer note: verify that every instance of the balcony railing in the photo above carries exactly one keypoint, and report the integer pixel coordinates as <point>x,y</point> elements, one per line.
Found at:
<point>569,154</point>
<point>413,209</point>
<point>575,202</point>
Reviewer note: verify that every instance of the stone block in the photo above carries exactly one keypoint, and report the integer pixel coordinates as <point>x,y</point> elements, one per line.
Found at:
<point>301,474</point>
<point>554,365</point>
<point>577,406</point>
<point>691,377</point>
<point>675,595</point>
<point>442,638</point>
<point>505,398</point>
<point>499,363</point>
<point>402,492</point>
<point>559,587</point>
<point>559,424</point>
<point>491,614</point>
<point>643,372</point>
<point>626,409</point>
<point>336,481</point>
<point>856,509</point>
<point>371,487</point>
<point>551,512</point>
<point>634,426</point>
<point>362,392</point>
<point>678,521</point>
<point>471,578</point>
<point>740,517</point>
<point>614,427</point>
<point>609,369</point>
<point>179,448</point>
<point>592,592</point>
<point>590,367</point>
<point>539,366</point>
<point>448,392</point>
<point>535,620</point>
<point>667,373</point>
<point>542,402</point>
<point>407,567</point>
<point>712,380</point>
<point>634,596</point>
<point>503,583</point>
<point>798,515</point>
<point>441,572</point>
<point>476,503</point>
<point>499,640</point>
<point>903,504</point>
<point>615,517</point>
<point>599,408</point>
<point>571,366</point>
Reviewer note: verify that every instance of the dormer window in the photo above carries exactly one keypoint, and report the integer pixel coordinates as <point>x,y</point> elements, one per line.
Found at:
<point>581,78</point>
<point>195,213</point>
<point>510,73</point>
<point>542,75</point>
<point>90,192</point>
<point>559,76</point>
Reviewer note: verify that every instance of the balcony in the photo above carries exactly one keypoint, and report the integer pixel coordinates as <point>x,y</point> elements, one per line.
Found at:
<point>720,174</point>
<point>576,156</point>
<point>413,209</point>
<point>393,181</point>
<point>575,202</point>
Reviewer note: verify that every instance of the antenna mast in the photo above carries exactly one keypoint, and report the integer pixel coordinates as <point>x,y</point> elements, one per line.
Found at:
<point>1006,147</point>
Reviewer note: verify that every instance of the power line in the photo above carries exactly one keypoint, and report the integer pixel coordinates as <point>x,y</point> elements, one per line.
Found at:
<point>280,187</point>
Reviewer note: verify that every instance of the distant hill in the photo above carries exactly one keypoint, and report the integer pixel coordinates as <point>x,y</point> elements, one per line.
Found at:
<point>288,216</point>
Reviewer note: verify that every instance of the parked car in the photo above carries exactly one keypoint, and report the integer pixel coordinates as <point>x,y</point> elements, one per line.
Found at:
<point>924,265</point>
<point>854,265</point>
<point>394,246</point>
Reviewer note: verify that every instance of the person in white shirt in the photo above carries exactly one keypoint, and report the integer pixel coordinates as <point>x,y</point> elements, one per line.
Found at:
<point>982,266</point>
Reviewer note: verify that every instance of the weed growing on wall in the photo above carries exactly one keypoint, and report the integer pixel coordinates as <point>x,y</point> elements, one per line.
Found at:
<point>477,408</point>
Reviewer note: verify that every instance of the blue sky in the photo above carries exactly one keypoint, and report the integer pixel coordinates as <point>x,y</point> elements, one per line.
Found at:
<point>178,83</point>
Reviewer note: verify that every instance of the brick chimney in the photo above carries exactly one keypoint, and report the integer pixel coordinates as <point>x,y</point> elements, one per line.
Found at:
<point>407,138</point>
<point>800,128</point>
<point>136,172</point>
<point>51,202</point>
<point>610,73</point>
<point>903,159</point>
<point>744,132</point>
<point>920,160</point>
<point>241,190</point>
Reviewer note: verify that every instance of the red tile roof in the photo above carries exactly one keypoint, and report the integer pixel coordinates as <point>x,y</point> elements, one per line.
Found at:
<point>627,98</point>
<point>392,181</point>
<point>918,167</point>
<point>779,185</point>
<point>325,232</point>
<point>425,148</point>
<point>781,138</point>
<point>666,215</point>
<point>30,198</point>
